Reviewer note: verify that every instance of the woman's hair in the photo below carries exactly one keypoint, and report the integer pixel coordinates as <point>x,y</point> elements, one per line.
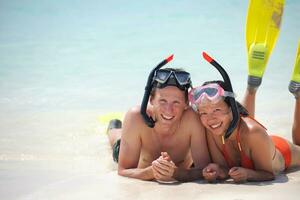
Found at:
<point>242,110</point>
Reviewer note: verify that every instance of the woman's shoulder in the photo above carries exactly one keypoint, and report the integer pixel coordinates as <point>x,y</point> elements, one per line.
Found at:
<point>253,130</point>
<point>256,139</point>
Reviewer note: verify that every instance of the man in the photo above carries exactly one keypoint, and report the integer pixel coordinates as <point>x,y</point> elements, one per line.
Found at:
<point>177,141</point>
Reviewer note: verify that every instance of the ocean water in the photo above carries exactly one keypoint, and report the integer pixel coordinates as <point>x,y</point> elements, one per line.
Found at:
<point>64,63</point>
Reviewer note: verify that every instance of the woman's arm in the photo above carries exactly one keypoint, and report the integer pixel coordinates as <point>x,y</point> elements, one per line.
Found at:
<point>219,165</point>
<point>260,149</point>
<point>240,174</point>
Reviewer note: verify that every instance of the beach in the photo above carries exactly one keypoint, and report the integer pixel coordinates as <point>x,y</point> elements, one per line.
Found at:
<point>77,173</point>
<point>63,64</point>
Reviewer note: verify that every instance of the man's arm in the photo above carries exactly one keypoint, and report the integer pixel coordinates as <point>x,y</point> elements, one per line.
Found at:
<point>130,148</point>
<point>199,150</point>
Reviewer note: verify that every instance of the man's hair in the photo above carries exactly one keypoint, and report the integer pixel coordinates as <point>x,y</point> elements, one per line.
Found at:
<point>158,85</point>
<point>153,90</point>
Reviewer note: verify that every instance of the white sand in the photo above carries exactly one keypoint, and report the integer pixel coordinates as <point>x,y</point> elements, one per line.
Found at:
<point>39,181</point>
<point>91,174</point>
<point>112,186</point>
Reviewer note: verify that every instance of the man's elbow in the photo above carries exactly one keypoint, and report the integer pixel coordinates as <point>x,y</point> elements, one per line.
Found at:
<point>121,171</point>
<point>271,177</point>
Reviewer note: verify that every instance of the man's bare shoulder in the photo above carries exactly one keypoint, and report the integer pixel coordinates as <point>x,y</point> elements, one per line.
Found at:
<point>191,120</point>
<point>133,119</point>
<point>134,111</point>
<point>190,116</point>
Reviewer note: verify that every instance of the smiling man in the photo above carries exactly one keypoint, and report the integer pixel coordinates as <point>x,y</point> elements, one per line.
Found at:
<point>175,148</point>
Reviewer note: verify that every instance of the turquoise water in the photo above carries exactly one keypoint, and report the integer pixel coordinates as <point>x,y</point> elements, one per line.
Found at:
<point>63,63</point>
<point>63,56</point>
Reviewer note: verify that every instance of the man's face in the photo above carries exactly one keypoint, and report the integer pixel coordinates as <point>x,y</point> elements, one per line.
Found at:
<point>169,104</point>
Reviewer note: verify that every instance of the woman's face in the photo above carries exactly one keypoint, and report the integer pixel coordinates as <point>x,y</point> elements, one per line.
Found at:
<point>216,116</point>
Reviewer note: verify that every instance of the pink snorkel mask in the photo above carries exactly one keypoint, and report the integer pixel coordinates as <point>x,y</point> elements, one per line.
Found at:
<point>212,92</point>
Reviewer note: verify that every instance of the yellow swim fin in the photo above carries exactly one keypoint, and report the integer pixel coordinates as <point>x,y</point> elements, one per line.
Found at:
<point>111,120</point>
<point>262,29</point>
<point>105,119</point>
<point>294,86</point>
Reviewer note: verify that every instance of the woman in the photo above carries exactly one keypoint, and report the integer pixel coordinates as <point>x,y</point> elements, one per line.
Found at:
<point>242,150</point>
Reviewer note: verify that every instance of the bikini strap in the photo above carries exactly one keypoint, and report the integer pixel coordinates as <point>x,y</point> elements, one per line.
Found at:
<point>225,154</point>
<point>238,137</point>
<point>245,160</point>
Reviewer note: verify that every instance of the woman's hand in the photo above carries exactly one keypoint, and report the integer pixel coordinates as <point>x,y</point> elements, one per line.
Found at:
<point>238,174</point>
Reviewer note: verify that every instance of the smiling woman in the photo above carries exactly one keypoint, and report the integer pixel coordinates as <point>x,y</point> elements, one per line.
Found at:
<point>210,111</point>
<point>63,63</point>
<point>248,153</point>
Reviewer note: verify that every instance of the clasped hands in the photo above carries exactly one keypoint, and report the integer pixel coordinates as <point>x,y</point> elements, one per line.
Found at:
<point>163,168</point>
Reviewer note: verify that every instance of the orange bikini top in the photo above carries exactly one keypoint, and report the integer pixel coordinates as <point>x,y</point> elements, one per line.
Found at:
<point>246,162</point>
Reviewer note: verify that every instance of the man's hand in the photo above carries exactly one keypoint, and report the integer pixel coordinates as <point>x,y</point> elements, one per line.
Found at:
<point>211,172</point>
<point>163,168</point>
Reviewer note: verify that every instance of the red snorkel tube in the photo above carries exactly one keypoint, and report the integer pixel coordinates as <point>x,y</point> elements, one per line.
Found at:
<point>148,119</point>
<point>232,102</point>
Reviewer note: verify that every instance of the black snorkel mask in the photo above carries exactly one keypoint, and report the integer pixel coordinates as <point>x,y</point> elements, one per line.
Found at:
<point>232,102</point>
<point>160,79</point>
